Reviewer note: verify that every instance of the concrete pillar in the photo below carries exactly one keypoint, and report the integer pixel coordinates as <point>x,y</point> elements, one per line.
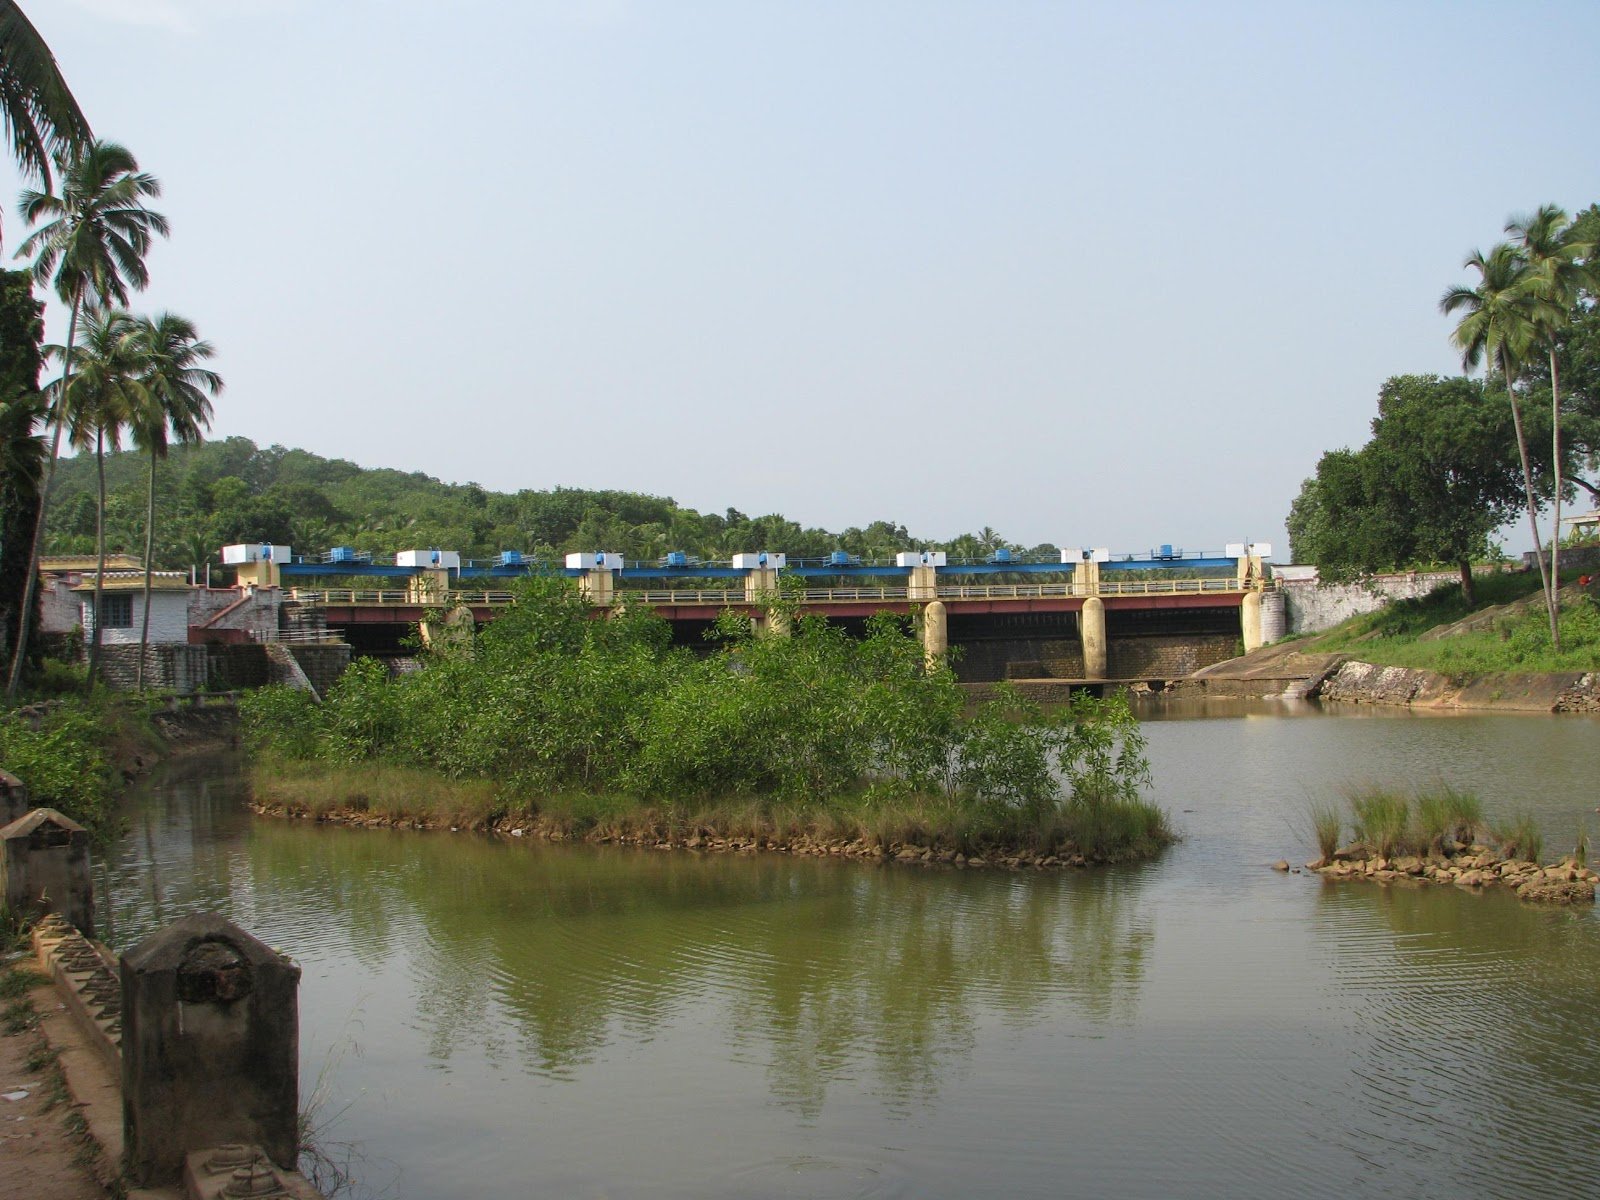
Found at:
<point>923,583</point>
<point>254,575</point>
<point>210,1047</point>
<point>429,587</point>
<point>1250,572</point>
<point>598,587</point>
<point>772,624</point>
<point>44,868</point>
<point>1250,620</point>
<point>760,584</point>
<point>935,634</point>
<point>1092,625</point>
<point>13,798</point>
<point>1086,579</point>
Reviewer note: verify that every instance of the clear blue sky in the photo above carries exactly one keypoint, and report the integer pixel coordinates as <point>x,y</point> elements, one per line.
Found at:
<point>1095,274</point>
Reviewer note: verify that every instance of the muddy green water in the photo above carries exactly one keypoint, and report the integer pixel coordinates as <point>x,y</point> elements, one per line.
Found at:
<point>499,1019</point>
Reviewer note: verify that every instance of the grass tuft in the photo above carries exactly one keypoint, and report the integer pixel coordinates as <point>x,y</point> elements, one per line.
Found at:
<point>1520,838</point>
<point>1326,828</point>
<point>1381,818</point>
<point>1445,811</point>
<point>19,981</point>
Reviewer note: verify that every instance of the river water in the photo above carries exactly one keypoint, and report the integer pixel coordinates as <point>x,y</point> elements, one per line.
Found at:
<point>498,1019</point>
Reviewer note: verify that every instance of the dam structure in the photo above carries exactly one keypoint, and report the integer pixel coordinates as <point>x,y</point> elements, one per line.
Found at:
<point>1087,617</point>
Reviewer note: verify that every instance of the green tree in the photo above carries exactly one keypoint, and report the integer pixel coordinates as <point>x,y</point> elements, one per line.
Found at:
<point>41,118</point>
<point>89,243</point>
<point>174,400</point>
<point>1435,480</point>
<point>100,392</point>
<point>1502,317</point>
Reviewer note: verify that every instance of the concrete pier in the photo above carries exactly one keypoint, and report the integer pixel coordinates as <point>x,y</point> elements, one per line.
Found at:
<point>1250,621</point>
<point>935,634</point>
<point>1093,627</point>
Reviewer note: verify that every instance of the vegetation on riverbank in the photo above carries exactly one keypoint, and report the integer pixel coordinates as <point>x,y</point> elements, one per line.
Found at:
<point>1409,633</point>
<point>74,752</point>
<point>600,728</point>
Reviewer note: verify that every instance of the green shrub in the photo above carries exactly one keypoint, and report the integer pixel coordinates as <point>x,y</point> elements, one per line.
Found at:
<point>63,761</point>
<point>564,705</point>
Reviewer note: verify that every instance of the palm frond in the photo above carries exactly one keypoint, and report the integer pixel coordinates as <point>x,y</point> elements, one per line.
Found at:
<point>42,119</point>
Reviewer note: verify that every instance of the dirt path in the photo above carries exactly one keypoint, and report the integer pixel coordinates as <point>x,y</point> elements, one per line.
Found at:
<point>39,1158</point>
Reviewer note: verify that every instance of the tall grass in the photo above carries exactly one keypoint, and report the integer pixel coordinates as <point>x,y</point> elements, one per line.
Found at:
<point>388,792</point>
<point>1382,819</point>
<point>1520,837</point>
<point>1326,827</point>
<point>1445,811</point>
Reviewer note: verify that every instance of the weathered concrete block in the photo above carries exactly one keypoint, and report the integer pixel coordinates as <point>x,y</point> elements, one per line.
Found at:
<point>210,1047</point>
<point>13,798</point>
<point>44,868</point>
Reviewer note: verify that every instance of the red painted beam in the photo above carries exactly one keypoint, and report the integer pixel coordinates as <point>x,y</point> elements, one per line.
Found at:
<point>409,614</point>
<point>1203,600</point>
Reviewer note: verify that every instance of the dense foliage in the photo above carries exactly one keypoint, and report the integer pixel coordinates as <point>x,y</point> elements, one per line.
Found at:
<point>62,758</point>
<point>22,451</point>
<point>233,491</point>
<point>548,698</point>
<point>1438,477</point>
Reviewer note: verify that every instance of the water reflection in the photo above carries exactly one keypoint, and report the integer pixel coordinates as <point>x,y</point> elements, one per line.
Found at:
<point>628,1023</point>
<point>826,968</point>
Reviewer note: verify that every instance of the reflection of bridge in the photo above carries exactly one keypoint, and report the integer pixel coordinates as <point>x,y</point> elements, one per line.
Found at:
<point>1147,617</point>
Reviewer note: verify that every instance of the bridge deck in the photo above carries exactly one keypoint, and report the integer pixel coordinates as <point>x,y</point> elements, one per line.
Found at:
<point>1227,589</point>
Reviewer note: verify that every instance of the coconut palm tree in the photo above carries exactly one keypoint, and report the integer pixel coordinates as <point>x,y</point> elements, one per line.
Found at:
<point>1502,317</point>
<point>98,401</point>
<point>1556,270</point>
<point>90,244</point>
<point>42,120</point>
<point>175,399</point>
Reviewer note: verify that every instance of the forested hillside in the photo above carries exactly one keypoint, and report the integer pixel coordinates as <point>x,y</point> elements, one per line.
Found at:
<point>234,491</point>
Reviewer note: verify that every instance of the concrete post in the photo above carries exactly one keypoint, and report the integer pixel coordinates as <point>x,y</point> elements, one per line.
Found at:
<point>935,634</point>
<point>1092,625</point>
<point>598,587</point>
<point>429,587</point>
<point>773,624</point>
<point>210,1047</point>
<point>1250,620</point>
<point>13,798</point>
<point>923,583</point>
<point>759,584</point>
<point>44,868</point>
<point>1086,579</point>
<point>262,574</point>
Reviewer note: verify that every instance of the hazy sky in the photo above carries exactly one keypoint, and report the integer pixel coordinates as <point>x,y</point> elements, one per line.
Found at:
<point>1107,274</point>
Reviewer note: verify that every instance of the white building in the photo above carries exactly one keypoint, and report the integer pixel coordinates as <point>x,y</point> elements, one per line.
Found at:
<point>122,607</point>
